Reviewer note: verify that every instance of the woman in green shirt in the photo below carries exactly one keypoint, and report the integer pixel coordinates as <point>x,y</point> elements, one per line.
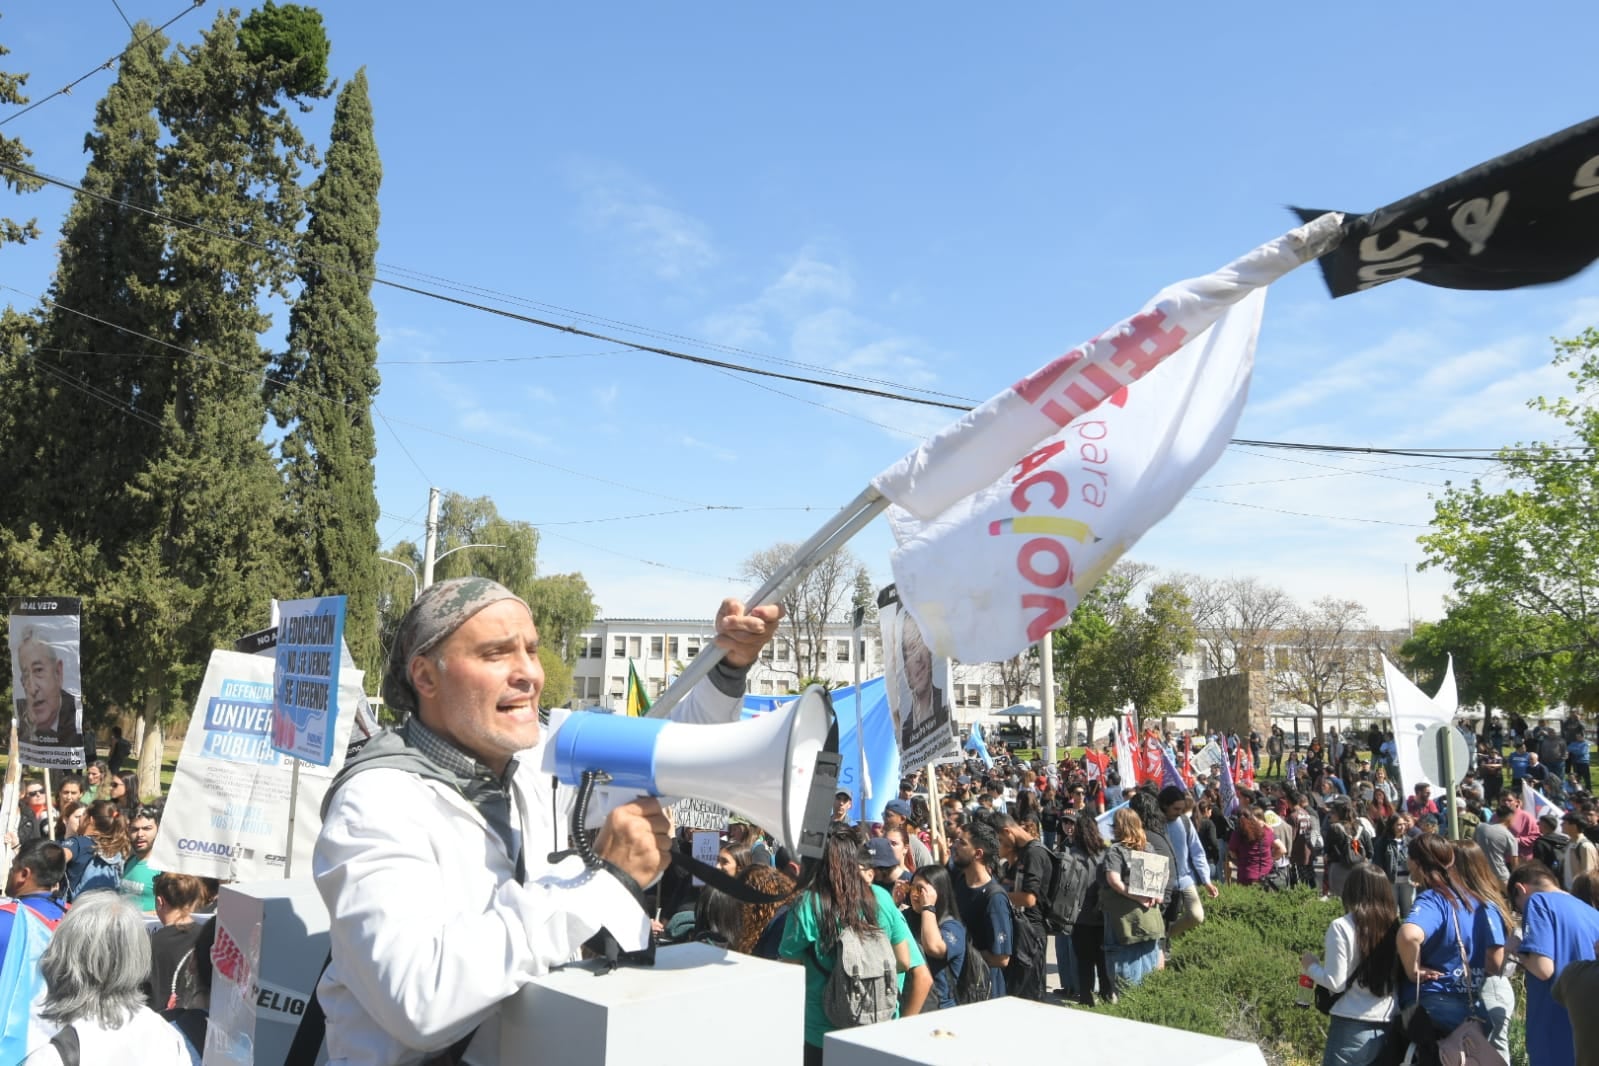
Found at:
<point>837,893</point>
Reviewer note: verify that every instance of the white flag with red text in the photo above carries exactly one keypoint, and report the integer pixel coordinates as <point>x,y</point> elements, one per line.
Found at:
<point>1000,568</point>
<point>972,453</point>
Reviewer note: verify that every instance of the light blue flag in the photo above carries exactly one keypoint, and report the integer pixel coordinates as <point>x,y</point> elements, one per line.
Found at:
<point>976,743</point>
<point>20,982</point>
<point>1106,822</point>
<point>877,728</point>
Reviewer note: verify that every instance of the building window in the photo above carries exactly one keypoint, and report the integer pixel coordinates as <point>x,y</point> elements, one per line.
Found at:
<point>635,647</point>
<point>618,647</point>
<point>657,687</point>
<point>782,649</point>
<point>656,645</point>
<point>672,647</point>
<point>691,647</point>
<point>968,695</point>
<point>996,696</point>
<point>768,688</point>
<point>842,652</point>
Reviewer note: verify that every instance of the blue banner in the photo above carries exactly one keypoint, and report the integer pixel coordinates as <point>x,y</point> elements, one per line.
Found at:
<point>305,682</point>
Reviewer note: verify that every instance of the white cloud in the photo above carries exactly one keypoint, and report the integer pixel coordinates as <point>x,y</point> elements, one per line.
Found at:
<point>670,243</point>
<point>715,451</point>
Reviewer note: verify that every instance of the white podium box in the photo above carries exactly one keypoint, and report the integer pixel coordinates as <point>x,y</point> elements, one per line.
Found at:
<point>272,940</point>
<point>577,1017</point>
<point>965,1036</point>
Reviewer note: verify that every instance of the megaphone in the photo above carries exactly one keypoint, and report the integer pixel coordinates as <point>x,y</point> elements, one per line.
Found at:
<point>769,769</point>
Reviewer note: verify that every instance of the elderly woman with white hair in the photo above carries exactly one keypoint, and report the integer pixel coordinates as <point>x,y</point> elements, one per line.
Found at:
<point>94,970</point>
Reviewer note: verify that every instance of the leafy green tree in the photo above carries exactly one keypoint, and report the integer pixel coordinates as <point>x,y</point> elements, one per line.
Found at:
<point>562,604</point>
<point>1146,642</point>
<point>292,38</point>
<point>322,386</point>
<point>14,154</point>
<point>1535,545</point>
<point>1497,656</point>
<point>1084,684</point>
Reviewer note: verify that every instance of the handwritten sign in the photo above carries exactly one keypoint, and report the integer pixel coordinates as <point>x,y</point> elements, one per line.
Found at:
<point>305,682</point>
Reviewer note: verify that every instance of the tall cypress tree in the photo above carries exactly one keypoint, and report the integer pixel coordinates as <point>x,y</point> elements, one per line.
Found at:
<point>208,552</point>
<point>324,383</point>
<point>94,387</point>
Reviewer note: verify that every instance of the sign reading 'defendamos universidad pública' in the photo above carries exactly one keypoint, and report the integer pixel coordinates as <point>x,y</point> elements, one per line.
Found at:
<point>305,682</point>
<point>47,681</point>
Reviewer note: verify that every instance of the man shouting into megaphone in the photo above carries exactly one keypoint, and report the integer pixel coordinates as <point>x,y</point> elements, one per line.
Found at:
<point>436,839</point>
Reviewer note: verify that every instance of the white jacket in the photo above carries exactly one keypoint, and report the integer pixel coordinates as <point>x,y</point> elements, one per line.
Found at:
<point>431,930</point>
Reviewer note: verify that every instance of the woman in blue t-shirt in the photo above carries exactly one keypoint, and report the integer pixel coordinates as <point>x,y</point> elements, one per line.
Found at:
<point>938,930</point>
<point>1446,921</point>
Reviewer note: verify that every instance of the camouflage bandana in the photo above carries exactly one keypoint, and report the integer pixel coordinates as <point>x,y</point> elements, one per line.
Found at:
<point>438,612</point>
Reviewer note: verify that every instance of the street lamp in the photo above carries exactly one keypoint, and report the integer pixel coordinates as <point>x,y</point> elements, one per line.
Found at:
<point>416,582</point>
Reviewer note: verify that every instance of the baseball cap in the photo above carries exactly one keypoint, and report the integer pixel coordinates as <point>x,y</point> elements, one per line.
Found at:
<point>880,853</point>
<point>899,807</point>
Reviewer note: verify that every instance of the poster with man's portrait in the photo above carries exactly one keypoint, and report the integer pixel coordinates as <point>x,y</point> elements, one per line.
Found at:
<point>46,682</point>
<point>918,686</point>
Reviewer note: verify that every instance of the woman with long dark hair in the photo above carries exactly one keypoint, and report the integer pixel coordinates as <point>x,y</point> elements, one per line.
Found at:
<point>1362,969</point>
<point>1447,921</point>
<point>124,792</point>
<point>836,893</point>
<point>939,932</point>
<point>1088,931</point>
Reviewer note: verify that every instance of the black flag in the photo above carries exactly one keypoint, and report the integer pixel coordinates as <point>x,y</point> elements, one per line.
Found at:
<point>1529,217</point>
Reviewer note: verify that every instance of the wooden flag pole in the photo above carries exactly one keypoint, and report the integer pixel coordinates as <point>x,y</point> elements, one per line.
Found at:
<point>936,816</point>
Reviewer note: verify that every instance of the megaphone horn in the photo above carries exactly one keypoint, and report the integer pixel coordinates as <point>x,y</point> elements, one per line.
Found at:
<point>763,768</point>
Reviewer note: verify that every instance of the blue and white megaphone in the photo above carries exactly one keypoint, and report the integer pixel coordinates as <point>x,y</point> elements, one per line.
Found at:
<point>768,768</point>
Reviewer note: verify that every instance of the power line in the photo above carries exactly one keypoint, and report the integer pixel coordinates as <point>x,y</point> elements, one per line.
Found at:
<point>1490,455</point>
<point>1307,514</point>
<point>66,90</point>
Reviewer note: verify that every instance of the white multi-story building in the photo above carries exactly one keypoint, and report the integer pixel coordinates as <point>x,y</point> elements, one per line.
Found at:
<point>658,646</point>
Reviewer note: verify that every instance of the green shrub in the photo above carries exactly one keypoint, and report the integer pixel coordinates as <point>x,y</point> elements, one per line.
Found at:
<point>1236,975</point>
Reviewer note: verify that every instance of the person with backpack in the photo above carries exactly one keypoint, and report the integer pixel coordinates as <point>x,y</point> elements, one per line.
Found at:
<point>862,965</point>
<point>95,859</point>
<point>1343,850</point>
<point>1192,868</point>
<point>984,909</point>
<point>941,936</point>
<point>94,973</point>
<point>1360,979</point>
<point>1307,844</point>
<point>1032,871</point>
<point>1088,925</point>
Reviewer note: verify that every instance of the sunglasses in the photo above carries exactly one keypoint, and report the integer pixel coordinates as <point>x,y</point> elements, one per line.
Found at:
<point>148,812</point>
<point>34,792</point>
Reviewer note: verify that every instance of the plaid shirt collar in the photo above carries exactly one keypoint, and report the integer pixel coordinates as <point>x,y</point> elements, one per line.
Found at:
<point>448,757</point>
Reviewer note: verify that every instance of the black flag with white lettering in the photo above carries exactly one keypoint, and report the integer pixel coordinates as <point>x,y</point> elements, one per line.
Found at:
<point>1529,217</point>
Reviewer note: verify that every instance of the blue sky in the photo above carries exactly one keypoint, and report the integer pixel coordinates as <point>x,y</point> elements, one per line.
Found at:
<point>939,196</point>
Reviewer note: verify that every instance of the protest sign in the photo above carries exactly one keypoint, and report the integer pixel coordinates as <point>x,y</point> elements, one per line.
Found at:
<point>305,683</point>
<point>698,814</point>
<point>706,845</point>
<point>918,687</point>
<point>1148,874</point>
<point>227,814</point>
<point>46,682</point>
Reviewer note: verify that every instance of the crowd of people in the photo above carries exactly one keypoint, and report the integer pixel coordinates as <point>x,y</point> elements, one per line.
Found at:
<point>1023,854</point>
<point>127,969</point>
<point>969,881</point>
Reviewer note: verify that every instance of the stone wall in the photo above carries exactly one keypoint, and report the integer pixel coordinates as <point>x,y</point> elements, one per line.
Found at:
<point>1236,703</point>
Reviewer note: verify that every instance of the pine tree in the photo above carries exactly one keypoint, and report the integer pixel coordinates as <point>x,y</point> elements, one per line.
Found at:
<point>93,387</point>
<point>208,552</point>
<point>323,384</point>
<point>14,154</point>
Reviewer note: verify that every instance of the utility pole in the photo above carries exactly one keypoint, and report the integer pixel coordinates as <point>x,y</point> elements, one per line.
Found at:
<point>1046,695</point>
<point>431,542</point>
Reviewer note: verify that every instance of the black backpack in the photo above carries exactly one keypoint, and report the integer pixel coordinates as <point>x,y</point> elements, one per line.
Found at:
<point>1071,876</point>
<point>975,984</point>
<point>1551,749</point>
<point>1552,853</point>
